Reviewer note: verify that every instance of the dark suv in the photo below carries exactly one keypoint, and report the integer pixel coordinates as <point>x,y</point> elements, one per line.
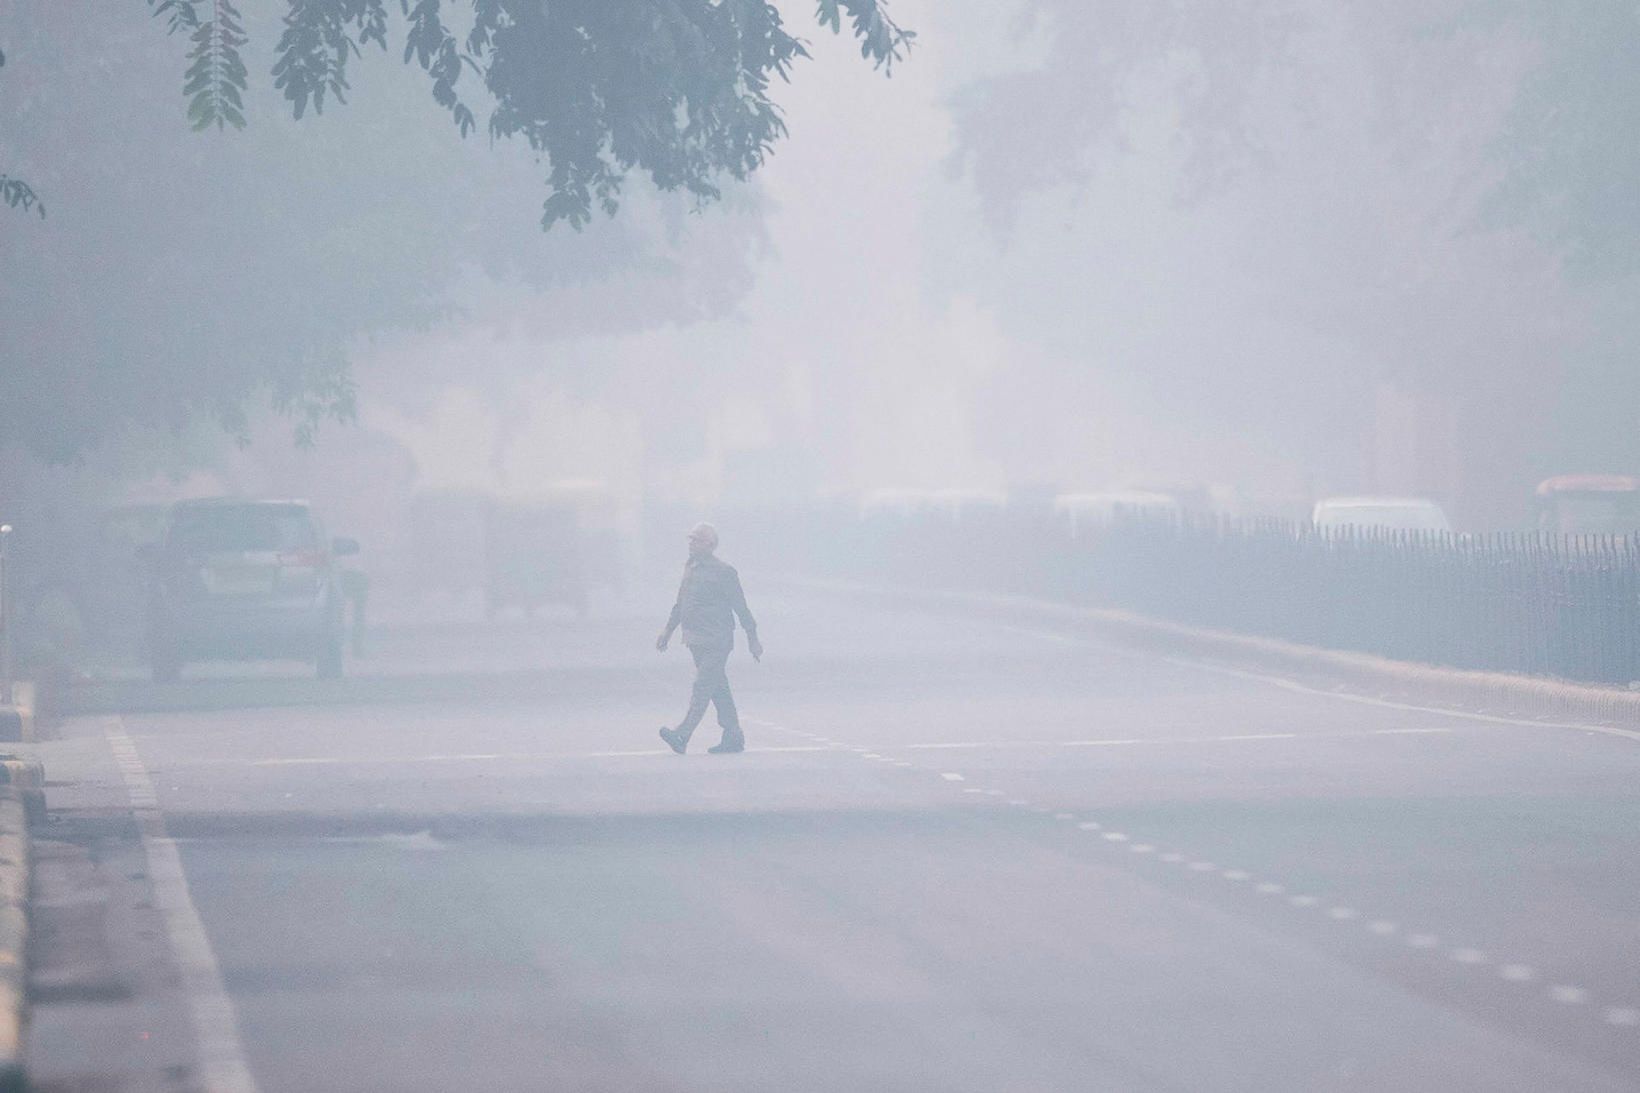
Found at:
<point>241,580</point>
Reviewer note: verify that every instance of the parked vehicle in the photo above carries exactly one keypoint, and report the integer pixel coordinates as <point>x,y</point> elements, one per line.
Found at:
<point>1081,513</point>
<point>953,505</point>
<point>243,580</point>
<point>1588,504</point>
<point>1382,513</point>
<point>447,531</point>
<point>533,557</point>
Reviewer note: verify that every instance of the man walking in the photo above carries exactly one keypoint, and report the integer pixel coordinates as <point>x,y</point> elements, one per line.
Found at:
<point>709,600</point>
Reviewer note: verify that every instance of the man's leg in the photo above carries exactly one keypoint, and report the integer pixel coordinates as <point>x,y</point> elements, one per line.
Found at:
<point>728,717</point>
<point>709,664</point>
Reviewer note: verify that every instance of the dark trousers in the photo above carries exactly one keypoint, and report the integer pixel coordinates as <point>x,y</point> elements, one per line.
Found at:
<point>711,688</point>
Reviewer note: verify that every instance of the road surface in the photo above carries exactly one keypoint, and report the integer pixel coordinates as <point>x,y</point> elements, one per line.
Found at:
<point>961,855</point>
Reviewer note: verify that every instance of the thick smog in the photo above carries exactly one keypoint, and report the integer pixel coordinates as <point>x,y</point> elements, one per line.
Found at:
<point>819,545</point>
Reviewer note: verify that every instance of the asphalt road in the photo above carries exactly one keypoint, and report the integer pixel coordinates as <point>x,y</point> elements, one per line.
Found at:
<point>959,855</point>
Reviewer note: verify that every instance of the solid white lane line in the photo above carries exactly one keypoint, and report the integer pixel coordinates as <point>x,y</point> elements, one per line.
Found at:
<point>221,1066</point>
<point>1136,741</point>
<point>1386,704</point>
<point>519,757</point>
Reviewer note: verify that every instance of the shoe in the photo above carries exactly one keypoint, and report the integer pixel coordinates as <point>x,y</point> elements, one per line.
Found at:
<point>673,740</point>
<point>727,747</point>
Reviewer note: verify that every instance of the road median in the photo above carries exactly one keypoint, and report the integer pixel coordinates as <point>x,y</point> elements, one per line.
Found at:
<point>23,778</point>
<point>1498,694</point>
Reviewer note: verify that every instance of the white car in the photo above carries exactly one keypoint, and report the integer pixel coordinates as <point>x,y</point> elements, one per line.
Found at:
<point>1384,513</point>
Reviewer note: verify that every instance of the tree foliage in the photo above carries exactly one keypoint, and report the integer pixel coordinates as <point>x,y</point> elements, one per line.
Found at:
<point>14,191</point>
<point>677,90</point>
<point>186,284</point>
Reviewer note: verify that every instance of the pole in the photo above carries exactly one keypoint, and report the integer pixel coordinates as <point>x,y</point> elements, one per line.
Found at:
<point>5,618</point>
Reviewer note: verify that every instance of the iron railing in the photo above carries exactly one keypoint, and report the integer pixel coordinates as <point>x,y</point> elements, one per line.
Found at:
<point>1541,604</point>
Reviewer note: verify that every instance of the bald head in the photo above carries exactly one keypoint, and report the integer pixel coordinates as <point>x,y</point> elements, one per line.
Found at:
<point>703,539</point>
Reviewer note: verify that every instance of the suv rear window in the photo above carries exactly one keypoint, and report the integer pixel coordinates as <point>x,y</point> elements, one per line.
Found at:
<point>224,528</point>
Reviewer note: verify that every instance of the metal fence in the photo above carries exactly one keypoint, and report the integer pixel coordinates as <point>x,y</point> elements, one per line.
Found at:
<point>1541,604</point>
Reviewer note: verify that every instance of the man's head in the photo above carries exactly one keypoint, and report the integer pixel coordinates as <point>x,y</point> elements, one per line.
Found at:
<point>703,539</point>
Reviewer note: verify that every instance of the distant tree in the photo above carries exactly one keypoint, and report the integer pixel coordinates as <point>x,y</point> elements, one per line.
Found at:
<point>1566,164</point>
<point>676,89</point>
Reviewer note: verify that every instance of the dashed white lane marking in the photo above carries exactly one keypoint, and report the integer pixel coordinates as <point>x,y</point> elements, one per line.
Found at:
<point>1565,994</point>
<point>222,1066</point>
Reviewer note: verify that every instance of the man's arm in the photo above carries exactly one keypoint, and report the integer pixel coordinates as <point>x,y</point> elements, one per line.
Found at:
<point>671,622</point>
<point>747,623</point>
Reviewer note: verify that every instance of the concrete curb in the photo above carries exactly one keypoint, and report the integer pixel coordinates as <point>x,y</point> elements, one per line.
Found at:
<point>14,892</point>
<point>17,720</point>
<point>1495,693</point>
